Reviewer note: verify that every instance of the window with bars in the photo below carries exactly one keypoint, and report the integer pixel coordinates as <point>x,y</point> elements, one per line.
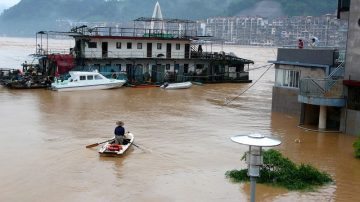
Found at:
<point>287,78</point>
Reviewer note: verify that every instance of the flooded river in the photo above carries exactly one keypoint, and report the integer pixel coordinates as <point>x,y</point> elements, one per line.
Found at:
<point>183,135</point>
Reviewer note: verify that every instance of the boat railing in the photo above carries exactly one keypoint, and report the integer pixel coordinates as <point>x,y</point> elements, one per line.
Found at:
<point>322,88</point>
<point>140,32</point>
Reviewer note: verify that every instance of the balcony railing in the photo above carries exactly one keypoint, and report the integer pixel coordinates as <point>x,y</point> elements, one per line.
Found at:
<point>322,88</point>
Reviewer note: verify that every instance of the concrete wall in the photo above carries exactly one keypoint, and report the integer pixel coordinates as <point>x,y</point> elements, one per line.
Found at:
<point>352,124</point>
<point>310,56</point>
<point>352,65</point>
<point>285,100</point>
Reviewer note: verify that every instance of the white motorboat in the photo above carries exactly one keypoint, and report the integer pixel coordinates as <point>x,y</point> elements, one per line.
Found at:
<point>80,80</point>
<point>172,86</point>
<point>117,149</point>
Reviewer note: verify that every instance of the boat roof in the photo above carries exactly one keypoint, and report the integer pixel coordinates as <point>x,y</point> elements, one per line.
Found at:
<point>83,73</point>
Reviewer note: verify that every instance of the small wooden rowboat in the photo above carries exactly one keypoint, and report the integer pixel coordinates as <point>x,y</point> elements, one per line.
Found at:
<point>117,149</point>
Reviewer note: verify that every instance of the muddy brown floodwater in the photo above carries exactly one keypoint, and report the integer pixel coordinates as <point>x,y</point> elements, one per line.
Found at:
<point>184,137</point>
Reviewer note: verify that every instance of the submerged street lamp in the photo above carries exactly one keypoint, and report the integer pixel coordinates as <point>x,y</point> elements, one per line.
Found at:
<point>254,157</point>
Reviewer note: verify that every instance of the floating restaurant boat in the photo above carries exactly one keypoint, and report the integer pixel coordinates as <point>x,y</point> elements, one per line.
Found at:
<point>173,86</point>
<point>79,80</point>
<point>116,149</point>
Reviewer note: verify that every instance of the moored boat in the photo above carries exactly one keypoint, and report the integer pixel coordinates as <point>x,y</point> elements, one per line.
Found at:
<point>80,80</point>
<point>116,149</point>
<point>173,86</point>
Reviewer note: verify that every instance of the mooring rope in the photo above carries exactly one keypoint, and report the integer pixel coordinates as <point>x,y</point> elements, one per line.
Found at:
<point>270,65</point>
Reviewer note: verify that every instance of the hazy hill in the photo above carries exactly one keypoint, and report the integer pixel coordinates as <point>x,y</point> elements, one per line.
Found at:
<point>29,16</point>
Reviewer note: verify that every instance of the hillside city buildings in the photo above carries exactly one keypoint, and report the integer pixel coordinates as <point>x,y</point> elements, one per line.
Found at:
<point>280,31</point>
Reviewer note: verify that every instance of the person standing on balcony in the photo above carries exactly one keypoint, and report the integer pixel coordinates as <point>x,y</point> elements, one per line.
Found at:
<point>300,44</point>
<point>314,42</point>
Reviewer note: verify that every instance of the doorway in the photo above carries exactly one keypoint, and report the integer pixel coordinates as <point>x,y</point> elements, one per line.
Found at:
<point>104,48</point>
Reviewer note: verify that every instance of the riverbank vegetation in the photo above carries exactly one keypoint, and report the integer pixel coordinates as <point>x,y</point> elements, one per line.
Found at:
<point>278,170</point>
<point>357,147</point>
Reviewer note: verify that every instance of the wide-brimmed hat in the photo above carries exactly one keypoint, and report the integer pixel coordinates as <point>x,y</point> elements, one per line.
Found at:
<point>119,123</point>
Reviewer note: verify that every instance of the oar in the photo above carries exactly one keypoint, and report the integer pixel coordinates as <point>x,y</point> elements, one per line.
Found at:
<point>136,145</point>
<point>96,144</point>
<point>142,148</point>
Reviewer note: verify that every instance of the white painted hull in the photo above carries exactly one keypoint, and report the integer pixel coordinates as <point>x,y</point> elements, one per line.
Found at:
<point>103,149</point>
<point>173,86</point>
<point>100,86</point>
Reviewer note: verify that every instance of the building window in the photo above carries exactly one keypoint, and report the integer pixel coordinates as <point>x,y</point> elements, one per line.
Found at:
<point>167,66</point>
<point>177,46</point>
<point>159,46</point>
<point>129,45</point>
<point>354,98</point>
<point>139,46</point>
<point>92,45</point>
<point>118,45</point>
<point>287,78</point>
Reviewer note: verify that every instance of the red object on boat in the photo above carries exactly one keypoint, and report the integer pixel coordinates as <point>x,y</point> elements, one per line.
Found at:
<point>114,147</point>
<point>64,62</point>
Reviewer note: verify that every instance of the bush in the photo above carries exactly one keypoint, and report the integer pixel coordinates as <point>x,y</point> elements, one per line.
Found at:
<point>280,171</point>
<point>357,147</point>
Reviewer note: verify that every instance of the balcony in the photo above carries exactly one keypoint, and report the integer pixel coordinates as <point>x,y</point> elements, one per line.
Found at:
<point>325,92</point>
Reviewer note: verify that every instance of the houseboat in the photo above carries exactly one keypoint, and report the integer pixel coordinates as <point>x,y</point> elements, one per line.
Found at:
<point>148,55</point>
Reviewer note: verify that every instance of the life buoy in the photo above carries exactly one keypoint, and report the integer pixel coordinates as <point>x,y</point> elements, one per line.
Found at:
<point>114,147</point>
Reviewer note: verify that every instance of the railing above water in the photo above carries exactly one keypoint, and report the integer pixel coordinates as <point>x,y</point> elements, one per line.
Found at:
<point>322,88</point>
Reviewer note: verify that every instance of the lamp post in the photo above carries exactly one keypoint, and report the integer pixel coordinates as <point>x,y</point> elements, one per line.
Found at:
<point>254,157</point>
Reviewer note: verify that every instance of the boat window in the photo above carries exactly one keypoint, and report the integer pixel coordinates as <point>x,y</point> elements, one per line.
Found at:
<point>159,46</point>
<point>82,78</point>
<point>177,46</point>
<point>139,46</point>
<point>97,77</point>
<point>118,45</point>
<point>92,45</point>
<point>129,45</point>
<point>119,67</point>
<point>90,77</point>
<point>167,66</point>
<point>186,68</point>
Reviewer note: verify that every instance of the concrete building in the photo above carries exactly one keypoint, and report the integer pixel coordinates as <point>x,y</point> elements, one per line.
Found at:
<point>308,83</point>
<point>350,10</point>
<point>322,85</point>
